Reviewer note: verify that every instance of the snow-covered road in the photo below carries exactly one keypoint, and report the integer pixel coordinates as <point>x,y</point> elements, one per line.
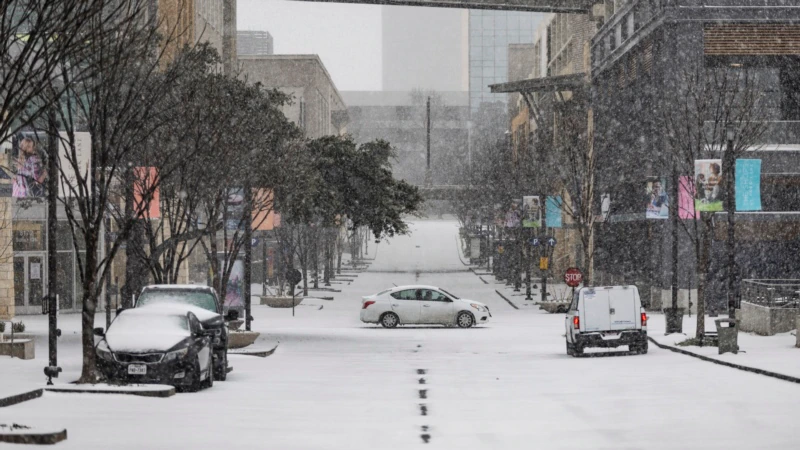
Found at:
<point>336,383</point>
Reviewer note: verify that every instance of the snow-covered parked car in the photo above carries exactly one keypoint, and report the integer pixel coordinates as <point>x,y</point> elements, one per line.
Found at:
<point>417,304</point>
<point>204,303</point>
<point>154,345</point>
<point>607,316</point>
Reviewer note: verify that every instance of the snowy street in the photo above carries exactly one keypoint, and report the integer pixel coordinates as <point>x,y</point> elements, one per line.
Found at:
<point>337,383</point>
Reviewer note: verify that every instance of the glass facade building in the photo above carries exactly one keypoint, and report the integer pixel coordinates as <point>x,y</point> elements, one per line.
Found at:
<point>490,33</point>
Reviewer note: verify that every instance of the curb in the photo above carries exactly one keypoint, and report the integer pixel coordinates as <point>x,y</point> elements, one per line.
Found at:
<point>34,438</point>
<point>259,353</point>
<point>767,373</point>
<point>507,300</point>
<point>160,393</point>
<point>19,398</point>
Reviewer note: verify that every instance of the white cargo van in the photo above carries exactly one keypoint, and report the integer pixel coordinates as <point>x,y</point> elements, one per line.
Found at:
<point>606,316</point>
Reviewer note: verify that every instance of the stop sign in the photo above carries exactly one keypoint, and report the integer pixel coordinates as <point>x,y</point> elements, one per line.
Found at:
<point>573,277</point>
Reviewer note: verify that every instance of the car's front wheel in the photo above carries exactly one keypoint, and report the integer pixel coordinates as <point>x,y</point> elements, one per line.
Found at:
<point>390,320</point>
<point>465,320</point>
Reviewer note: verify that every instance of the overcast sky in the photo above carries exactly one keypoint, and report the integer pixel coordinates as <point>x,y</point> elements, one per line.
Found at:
<point>346,37</point>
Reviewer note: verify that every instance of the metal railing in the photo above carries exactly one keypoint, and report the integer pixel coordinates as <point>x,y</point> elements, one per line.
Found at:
<point>772,293</point>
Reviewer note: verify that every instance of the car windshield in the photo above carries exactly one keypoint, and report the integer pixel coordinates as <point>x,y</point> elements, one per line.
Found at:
<point>202,299</point>
<point>451,295</point>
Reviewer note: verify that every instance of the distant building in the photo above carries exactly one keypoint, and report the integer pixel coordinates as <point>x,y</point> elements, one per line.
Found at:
<point>432,57</point>
<point>254,43</point>
<point>317,108</point>
<point>399,117</point>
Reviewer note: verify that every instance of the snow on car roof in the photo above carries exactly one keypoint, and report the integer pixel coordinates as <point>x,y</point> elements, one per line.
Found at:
<point>178,287</point>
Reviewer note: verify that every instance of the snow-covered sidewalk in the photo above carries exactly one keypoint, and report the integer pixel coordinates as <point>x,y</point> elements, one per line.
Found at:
<point>771,353</point>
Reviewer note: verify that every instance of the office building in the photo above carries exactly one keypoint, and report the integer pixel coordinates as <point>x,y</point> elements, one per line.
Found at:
<point>254,43</point>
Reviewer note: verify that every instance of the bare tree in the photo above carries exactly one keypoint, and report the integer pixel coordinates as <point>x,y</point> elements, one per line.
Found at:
<point>125,101</point>
<point>37,37</point>
<point>697,117</point>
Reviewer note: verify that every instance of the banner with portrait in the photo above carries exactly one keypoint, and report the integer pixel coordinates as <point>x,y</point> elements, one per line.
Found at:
<point>234,291</point>
<point>531,212</point>
<point>513,215</point>
<point>708,191</point>
<point>657,200</point>
<point>27,164</point>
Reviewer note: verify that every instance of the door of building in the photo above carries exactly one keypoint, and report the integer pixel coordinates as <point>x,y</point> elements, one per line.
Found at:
<point>29,282</point>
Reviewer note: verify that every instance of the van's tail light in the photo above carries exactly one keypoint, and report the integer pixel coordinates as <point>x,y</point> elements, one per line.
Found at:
<point>367,303</point>
<point>576,322</point>
<point>644,319</point>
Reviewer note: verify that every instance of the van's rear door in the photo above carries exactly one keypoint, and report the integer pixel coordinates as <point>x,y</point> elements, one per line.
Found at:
<point>594,314</point>
<point>622,308</point>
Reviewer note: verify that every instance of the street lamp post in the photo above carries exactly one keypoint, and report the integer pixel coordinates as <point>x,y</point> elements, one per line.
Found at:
<point>52,370</point>
<point>730,206</point>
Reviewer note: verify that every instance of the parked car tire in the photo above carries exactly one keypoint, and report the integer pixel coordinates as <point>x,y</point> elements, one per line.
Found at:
<point>465,320</point>
<point>197,383</point>
<point>209,383</point>
<point>640,349</point>
<point>570,350</point>
<point>221,366</point>
<point>390,320</point>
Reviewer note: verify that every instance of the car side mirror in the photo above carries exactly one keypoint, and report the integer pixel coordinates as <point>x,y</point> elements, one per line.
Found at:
<point>99,332</point>
<point>232,315</point>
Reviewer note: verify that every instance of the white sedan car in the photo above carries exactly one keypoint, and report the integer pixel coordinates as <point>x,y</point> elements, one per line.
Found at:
<point>407,305</point>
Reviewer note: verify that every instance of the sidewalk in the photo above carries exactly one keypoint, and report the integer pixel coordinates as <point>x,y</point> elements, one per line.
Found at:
<point>772,353</point>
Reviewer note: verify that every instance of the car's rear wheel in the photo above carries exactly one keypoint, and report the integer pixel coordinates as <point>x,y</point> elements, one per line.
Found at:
<point>209,383</point>
<point>465,320</point>
<point>221,366</point>
<point>390,320</point>
<point>640,349</point>
<point>570,349</point>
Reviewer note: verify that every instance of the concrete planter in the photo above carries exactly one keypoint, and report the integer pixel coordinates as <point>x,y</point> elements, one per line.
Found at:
<point>241,339</point>
<point>555,307</point>
<point>19,348</point>
<point>280,302</point>
<point>766,321</point>
<point>797,330</point>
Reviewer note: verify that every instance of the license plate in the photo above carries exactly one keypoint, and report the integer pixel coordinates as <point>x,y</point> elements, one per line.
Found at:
<point>137,369</point>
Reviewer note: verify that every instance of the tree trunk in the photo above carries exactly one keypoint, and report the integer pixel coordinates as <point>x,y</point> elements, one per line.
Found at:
<point>88,370</point>
<point>703,247</point>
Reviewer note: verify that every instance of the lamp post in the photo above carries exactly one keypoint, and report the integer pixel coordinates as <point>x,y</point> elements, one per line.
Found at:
<point>729,174</point>
<point>52,369</point>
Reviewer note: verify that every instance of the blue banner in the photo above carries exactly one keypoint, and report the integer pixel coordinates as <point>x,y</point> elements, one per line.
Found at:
<point>553,212</point>
<point>748,185</point>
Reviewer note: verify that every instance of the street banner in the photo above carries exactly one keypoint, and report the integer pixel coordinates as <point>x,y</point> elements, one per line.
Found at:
<point>708,185</point>
<point>531,212</point>
<point>146,199</point>
<point>234,291</point>
<point>657,199</point>
<point>748,185</point>
<point>686,198</point>
<point>27,163</point>
<point>513,215</point>
<point>553,212</point>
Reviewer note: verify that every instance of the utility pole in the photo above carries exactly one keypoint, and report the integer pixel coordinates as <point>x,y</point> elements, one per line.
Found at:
<point>428,141</point>
<point>729,175</point>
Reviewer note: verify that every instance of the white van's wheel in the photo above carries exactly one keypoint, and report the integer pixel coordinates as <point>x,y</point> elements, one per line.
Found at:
<point>570,350</point>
